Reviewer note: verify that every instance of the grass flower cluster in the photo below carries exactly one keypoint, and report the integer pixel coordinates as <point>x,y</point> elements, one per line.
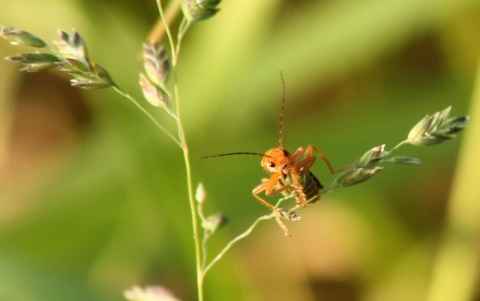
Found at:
<point>432,129</point>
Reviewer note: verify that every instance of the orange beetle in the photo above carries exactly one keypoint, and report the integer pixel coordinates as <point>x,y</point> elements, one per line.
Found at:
<point>289,174</point>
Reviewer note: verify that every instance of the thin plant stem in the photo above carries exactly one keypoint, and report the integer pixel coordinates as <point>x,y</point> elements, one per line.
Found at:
<point>148,114</point>
<point>191,198</point>
<point>242,236</point>
<point>398,145</point>
<point>169,35</point>
<point>206,235</point>
<point>171,13</point>
<point>186,157</point>
<point>204,251</point>
<point>235,240</point>
<point>184,26</point>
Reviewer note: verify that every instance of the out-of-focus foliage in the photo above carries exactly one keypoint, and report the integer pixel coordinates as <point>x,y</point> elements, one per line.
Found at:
<point>93,197</point>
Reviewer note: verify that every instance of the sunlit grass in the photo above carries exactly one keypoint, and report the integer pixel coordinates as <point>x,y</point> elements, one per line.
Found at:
<point>119,184</point>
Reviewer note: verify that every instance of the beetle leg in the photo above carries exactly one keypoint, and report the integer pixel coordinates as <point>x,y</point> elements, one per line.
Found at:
<point>280,223</point>
<point>261,187</point>
<point>268,186</point>
<point>270,190</point>
<point>308,154</point>
<point>296,154</point>
<point>303,166</point>
<point>277,211</point>
<point>297,186</point>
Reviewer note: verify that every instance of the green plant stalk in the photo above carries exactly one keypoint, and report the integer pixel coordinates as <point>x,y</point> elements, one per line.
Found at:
<point>398,145</point>
<point>150,116</point>
<point>186,157</point>
<point>235,240</point>
<point>171,12</point>
<point>191,199</point>
<point>245,234</point>
<point>206,236</point>
<point>184,26</point>
<point>455,268</point>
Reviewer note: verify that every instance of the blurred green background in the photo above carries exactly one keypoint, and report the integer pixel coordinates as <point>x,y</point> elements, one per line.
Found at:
<point>93,197</point>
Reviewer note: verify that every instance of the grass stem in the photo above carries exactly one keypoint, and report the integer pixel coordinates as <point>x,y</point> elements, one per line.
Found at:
<point>148,114</point>
<point>186,156</point>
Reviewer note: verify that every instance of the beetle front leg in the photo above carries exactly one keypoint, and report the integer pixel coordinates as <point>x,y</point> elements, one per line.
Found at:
<point>308,154</point>
<point>262,187</point>
<point>268,185</point>
<point>279,212</point>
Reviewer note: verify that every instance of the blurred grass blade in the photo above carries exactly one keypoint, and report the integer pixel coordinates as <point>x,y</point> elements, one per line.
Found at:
<point>455,271</point>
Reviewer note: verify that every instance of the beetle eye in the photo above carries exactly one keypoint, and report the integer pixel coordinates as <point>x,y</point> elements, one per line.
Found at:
<point>271,164</point>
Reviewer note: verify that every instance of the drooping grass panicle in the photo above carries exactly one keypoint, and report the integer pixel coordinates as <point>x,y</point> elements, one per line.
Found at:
<point>157,68</point>
<point>20,37</point>
<point>96,77</point>
<point>372,156</point>
<point>357,176</point>
<point>436,128</point>
<point>72,46</point>
<point>156,63</point>
<point>35,61</point>
<point>75,61</point>
<point>71,55</point>
<point>199,10</point>
<point>432,129</point>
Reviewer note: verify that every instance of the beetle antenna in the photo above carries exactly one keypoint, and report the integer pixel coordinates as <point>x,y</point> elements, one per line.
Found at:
<point>280,134</point>
<point>236,153</point>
